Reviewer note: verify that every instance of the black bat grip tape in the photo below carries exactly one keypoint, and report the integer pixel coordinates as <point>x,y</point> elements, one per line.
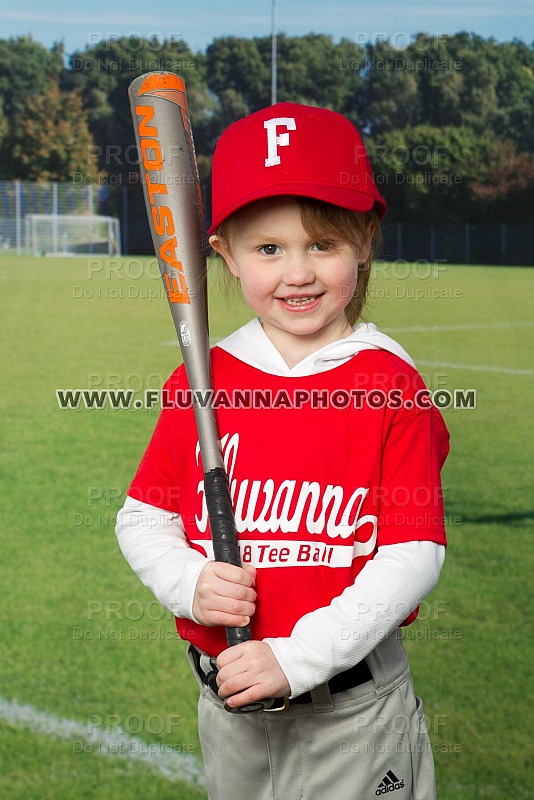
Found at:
<point>224,535</point>
<point>225,548</point>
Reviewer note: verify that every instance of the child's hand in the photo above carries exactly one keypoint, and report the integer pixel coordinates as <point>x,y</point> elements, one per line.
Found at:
<point>224,595</point>
<point>249,672</point>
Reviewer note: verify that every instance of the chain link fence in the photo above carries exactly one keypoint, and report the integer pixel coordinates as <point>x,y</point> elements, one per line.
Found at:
<point>504,243</point>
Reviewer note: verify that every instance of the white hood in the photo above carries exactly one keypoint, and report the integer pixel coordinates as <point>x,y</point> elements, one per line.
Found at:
<point>252,345</point>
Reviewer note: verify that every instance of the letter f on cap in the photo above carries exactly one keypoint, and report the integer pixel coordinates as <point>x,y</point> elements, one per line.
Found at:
<point>274,141</point>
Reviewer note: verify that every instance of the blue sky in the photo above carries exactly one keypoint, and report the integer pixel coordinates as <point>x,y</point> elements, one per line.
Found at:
<point>198,22</point>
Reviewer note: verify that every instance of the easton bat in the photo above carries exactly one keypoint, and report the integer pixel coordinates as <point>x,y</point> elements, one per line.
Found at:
<point>173,201</point>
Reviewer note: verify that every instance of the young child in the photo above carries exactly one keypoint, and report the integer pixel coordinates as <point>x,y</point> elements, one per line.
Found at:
<point>333,452</point>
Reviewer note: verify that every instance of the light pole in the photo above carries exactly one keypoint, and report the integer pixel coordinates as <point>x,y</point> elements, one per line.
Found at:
<point>273,53</point>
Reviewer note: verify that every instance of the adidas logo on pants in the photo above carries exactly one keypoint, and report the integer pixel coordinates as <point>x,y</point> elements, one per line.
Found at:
<point>389,784</point>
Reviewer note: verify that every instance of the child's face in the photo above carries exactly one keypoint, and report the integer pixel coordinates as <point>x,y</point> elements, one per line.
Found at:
<point>299,288</point>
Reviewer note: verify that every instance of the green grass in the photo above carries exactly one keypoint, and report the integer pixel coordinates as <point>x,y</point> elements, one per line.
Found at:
<point>75,619</point>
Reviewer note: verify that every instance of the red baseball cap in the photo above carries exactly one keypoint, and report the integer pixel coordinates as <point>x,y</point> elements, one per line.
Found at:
<point>292,149</point>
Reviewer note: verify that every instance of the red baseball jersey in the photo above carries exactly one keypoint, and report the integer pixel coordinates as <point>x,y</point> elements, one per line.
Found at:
<point>323,470</point>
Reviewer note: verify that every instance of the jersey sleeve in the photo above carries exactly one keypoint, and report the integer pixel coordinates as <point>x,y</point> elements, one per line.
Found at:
<point>155,481</point>
<point>411,496</point>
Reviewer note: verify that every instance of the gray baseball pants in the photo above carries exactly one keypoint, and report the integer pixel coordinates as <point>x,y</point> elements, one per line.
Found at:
<point>369,741</point>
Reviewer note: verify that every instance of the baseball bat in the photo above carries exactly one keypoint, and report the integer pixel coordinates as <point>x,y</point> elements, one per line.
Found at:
<point>173,201</point>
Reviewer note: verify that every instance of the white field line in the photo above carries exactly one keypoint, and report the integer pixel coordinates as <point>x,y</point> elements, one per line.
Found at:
<point>474,326</point>
<point>174,766</point>
<point>470,367</point>
<point>477,368</point>
<point>468,326</point>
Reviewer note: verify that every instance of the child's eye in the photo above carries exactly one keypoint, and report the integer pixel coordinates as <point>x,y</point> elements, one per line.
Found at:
<point>321,246</point>
<point>270,249</point>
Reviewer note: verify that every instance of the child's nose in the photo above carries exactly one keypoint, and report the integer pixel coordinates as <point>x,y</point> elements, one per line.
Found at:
<point>298,271</point>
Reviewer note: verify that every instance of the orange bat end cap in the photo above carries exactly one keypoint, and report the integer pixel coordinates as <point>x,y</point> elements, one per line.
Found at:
<point>157,81</point>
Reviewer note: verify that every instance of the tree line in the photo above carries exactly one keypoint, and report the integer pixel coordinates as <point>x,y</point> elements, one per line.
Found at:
<point>448,120</point>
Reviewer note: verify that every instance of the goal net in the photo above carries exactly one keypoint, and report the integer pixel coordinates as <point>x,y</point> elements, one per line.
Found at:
<point>71,235</point>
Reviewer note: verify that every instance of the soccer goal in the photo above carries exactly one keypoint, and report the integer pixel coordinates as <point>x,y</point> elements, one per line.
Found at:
<point>72,235</point>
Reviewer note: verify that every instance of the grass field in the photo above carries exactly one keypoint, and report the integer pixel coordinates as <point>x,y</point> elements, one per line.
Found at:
<point>87,654</point>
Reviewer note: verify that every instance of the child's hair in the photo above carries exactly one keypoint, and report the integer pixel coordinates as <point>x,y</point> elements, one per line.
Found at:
<point>322,221</point>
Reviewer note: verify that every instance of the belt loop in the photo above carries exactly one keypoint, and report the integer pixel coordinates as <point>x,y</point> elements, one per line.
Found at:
<point>194,659</point>
<point>211,676</point>
<point>321,698</point>
<point>387,662</point>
